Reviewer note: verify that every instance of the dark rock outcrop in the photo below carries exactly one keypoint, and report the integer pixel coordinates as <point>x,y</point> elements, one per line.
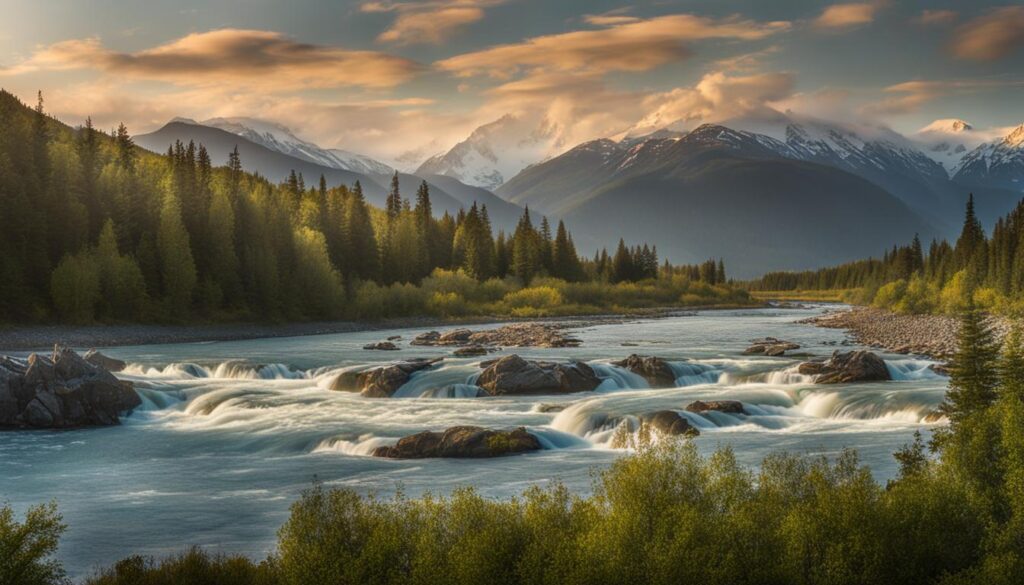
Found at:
<point>727,406</point>
<point>655,370</point>
<point>514,335</point>
<point>512,375</point>
<point>461,442</point>
<point>61,391</point>
<point>770,346</point>
<point>381,382</point>
<point>844,367</point>
<point>106,362</point>
<point>470,351</point>
<point>382,345</point>
<point>669,422</point>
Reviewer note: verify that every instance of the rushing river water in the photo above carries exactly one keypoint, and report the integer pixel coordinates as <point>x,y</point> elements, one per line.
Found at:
<point>221,447</point>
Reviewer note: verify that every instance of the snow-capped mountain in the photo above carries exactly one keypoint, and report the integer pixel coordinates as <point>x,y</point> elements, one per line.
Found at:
<point>279,138</point>
<point>495,152</point>
<point>875,153</point>
<point>947,141</point>
<point>999,163</point>
<point>749,197</point>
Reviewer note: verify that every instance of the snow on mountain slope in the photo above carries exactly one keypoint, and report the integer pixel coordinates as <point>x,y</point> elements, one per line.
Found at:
<point>999,163</point>
<point>495,152</point>
<point>947,141</point>
<point>281,139</point>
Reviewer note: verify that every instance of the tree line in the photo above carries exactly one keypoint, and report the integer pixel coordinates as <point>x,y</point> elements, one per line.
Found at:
<point>94,228</point>
<point>982,270</point>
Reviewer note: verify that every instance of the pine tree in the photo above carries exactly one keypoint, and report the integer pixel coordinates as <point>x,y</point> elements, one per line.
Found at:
<point>126,154</point>
<point>972,382</point>
<point>566,263</point>
<point>970,244</point>
<point>361,241</point>
<point>176,264</point>
<point>622,264</point>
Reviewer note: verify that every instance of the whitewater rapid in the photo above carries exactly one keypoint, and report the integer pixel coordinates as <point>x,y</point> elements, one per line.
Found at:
<point>229,433</point>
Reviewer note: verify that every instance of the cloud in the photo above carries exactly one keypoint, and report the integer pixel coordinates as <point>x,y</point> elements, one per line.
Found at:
<point>638,45</point>
<point>746,61</point>
<point>430,22</point>
<point>250,59</point>
<point>611,18</point>
<point>909,96</point>
<point>844,16</point>
<point>991,36</point>
<point>936,17</point>
<point>717,96</point>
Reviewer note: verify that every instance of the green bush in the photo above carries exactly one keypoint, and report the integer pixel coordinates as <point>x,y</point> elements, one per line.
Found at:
<point>27,548</point>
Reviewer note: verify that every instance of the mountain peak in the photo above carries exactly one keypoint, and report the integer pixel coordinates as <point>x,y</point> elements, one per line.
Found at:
<point>947,126</point>
<point>1015,138</point>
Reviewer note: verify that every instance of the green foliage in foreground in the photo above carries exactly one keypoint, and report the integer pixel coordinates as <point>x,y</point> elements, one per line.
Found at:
<point>987,272</point>
<point>667,514</point>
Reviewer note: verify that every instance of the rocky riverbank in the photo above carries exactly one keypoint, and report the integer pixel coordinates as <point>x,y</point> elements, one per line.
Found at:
<point>930,335</point>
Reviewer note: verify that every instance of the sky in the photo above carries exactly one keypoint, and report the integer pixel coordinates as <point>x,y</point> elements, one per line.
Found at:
<point>404,79</point>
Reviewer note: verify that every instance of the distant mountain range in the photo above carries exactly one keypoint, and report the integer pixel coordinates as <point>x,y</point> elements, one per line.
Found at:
<point>274,151</point>
<point>765,193</point>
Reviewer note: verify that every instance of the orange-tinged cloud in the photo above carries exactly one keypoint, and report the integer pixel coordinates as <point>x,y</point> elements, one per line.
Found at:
<point>638,45</point>
<point>991,36</point>
<point>252,59</point>
<point>842,16</point>
<point>428,22</point>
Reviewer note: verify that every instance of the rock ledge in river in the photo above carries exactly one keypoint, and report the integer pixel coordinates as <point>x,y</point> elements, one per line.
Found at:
<point>61,391</point>
<point>381,382</point>
<point>669,423</point>
<point>513,375</point>
<point>727,406</point>
<point>770,346</point>
<point>461,442</point>
<point>655,370</point>
<point>844,367</point>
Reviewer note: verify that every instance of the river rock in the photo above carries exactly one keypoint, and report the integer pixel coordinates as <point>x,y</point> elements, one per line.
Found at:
<point>383,382</point>
<point>655,370</point>
<point>61,391</point>
<point>513,335</point>
<point>512,375</point>
<point>770,346</point>
<point>727,406</point>
<point>106,362</point>
<point>382,345</point>
<point>470,351</point>
<point>461,442</point>
<point>669,423</point>
<point>851,366</point>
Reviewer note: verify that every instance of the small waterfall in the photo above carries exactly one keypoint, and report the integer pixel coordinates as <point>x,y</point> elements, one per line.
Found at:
<point>694,373</point>
<point>912,369</point>
<point>362,446</point>
<point>616,378</point>
<point>229,370</point>
<point>454,391</point>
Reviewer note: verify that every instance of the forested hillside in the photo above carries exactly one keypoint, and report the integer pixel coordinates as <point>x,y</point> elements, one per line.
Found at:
<point>94,228</point>
<point>976,269</point>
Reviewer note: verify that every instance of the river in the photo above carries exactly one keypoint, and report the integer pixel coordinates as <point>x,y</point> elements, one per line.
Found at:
<point>219,450</point>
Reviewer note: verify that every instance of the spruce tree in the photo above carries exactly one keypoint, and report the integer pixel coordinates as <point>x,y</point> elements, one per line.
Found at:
<point>176,264</point>
<point>973,372</point>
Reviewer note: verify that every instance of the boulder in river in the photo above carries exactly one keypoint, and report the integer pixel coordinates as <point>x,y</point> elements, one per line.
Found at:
<point>461,442</point>
<point>727,406</point>
<point>512,335</point>
<point>850,366</point>
<point>381,382</point>
<point>513,375</point>
<point>106,362</point>
<point>770,346</point>
<point>655,370</point>
<point>470,351</point>
<point>382,345</point>
<point>669,423</point>
<point>61,391</point>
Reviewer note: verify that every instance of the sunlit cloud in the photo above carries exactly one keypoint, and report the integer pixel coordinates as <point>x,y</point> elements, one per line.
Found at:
<point>909,96</point>
<point>632,46</point>
<point>428,22</point>
<point>245,58</point>
<point>991,36</point>
<point>845,16</point>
